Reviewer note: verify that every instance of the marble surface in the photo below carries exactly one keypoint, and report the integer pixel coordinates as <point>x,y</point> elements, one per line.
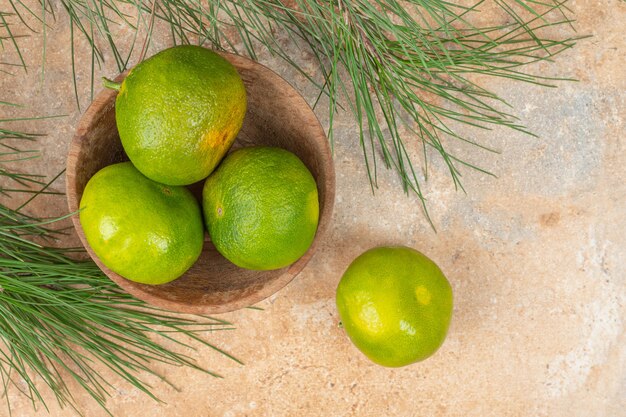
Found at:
<point>535,258</point>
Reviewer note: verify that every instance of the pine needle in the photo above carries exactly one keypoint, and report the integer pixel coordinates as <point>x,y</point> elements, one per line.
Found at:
<point>409,63</point>
<point>63,321</point>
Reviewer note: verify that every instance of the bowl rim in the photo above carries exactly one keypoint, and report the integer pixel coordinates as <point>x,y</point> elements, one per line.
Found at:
<point>105,98</point>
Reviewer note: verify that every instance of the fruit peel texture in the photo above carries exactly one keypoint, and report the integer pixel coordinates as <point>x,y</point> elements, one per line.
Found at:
<point>144,231</point>
<point>261,208</point>
<point>179,112</point>
<point>395,305</point>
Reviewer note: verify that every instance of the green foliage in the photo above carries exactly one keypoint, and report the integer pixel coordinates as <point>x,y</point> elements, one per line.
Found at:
<point>63,320</point>
<point>404,69</point>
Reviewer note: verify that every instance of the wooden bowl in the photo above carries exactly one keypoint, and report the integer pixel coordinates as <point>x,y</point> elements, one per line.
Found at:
<point>277,116</point>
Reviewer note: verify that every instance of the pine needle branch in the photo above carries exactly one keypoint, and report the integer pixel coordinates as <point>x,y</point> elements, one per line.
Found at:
<point>63,321</point>
<point>404,69</point>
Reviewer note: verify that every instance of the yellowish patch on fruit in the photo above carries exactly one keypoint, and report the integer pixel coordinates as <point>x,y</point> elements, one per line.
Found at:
<point>313,207</point>
<point>423,295</point>
<point>122,91</point>
<point>215,139</point>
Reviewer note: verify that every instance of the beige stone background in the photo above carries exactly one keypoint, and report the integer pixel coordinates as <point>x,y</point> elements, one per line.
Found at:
<point>535,258</point>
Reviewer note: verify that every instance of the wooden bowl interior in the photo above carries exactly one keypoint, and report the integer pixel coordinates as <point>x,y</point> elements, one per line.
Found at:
<point>277,116</point>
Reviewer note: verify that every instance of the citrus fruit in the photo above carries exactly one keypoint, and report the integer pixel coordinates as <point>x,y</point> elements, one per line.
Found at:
<point>145,231</point>
<point>178,112</point>
<point>395,305</point>
<point>261,208</point>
